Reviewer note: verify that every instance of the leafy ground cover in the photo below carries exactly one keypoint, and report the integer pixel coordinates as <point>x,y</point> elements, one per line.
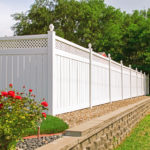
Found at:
<point>139,138</point>
<point>50,125</point>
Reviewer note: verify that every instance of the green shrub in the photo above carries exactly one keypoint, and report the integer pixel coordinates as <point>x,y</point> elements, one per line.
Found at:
<point>18,113</point>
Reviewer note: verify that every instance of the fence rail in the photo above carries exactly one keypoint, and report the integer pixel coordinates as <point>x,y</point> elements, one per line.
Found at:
<point>69,76</point>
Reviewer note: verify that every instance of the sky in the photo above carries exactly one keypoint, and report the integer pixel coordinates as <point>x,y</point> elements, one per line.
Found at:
<point>8,7</point>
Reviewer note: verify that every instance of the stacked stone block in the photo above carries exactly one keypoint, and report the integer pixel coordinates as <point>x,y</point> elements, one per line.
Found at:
<point>114,132</point>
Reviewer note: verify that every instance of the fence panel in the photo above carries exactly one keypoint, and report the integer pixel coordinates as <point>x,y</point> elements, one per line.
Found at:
<point>72,77</point>
<point>23,61</point>
<point>69,76</point>
<point>133,83</point>
<point>116,93</point>
<point>100,80</point>
<point>126,82</point>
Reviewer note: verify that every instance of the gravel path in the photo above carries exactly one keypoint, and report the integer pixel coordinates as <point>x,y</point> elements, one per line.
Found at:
<point>77,117</point>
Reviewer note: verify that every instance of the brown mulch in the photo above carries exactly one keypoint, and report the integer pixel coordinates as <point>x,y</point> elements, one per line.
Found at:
<point>77,117</point>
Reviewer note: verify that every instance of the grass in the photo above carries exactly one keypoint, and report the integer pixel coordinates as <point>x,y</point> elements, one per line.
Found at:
<point>50,125</point>
<point>139,138</point>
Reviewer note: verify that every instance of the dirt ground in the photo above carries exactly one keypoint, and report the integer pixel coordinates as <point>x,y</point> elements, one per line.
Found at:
<point>77,117</point>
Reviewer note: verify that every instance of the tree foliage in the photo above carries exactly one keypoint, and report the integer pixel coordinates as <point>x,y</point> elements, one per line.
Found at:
<point>124,36</point>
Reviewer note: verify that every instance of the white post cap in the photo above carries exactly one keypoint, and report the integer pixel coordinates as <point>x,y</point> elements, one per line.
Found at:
<point>51,27</point>
<point>89,45</point>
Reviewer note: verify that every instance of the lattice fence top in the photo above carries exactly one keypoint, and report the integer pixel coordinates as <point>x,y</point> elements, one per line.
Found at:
<point>71,49</point>
<point>23,43</point>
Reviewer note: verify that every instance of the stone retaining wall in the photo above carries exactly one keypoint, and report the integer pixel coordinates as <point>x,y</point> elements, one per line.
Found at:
<point>103,133</point>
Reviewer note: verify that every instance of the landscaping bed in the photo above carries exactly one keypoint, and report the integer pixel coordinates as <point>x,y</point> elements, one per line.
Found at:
<point>33,143</point>
<point>139,138</point>
<point>80,116</point>
<point>49,126</point>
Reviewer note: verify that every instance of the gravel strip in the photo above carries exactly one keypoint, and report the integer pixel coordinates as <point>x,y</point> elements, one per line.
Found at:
<point>80,116</point>
<point>33,143</point>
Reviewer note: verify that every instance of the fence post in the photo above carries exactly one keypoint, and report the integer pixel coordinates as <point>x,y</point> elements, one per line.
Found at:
<point>109,78</point>
<point>90,75</point>
<point>51,69</point>
<point>144,84</point>
<point>141,83</point>
<point>148,84</point>
<point>136,83</point>
<point>121,79</point>
<point>130,82</point>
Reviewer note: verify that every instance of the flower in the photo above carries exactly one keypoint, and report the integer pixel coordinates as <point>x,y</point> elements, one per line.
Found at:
<point>4,93</point>
<point>30,90</point>
<point>44,114</point>
<point>18,97</point>
<point>1,105</point>
<point>45,104</point>
<point>17,93</point>
<point>10,85</point>
<point>24,87</point>
<point>11,93</point>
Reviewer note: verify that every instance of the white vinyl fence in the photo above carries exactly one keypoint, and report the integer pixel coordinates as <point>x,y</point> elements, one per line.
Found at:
<point>68,76</point>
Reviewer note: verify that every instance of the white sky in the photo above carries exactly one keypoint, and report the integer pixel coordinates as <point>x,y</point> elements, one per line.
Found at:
<point>8,7</point>
<point>129,5</point>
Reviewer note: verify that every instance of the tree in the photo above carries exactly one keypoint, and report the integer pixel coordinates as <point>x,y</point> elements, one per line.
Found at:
<point>124,36</point>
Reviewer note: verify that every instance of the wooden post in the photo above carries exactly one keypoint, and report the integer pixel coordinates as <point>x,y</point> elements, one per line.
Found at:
<point>38,133</point>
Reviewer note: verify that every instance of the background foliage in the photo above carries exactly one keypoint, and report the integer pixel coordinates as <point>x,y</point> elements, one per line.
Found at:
<point>124,36</point>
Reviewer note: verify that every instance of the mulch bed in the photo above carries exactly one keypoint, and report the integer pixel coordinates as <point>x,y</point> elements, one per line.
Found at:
<point>80,116</point>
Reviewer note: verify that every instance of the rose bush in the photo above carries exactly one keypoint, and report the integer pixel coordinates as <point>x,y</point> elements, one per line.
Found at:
<point>18,113</point>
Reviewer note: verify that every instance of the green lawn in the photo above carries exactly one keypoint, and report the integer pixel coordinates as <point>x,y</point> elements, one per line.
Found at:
<point>139,138</point>
<point>50,125</point>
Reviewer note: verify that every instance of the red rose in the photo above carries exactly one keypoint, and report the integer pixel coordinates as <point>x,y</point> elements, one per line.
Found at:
<point>30,90</point>
<point>3,93</point>
<point>44,104</point>
<point>10,85</point>
<point>1,106</point>
<point>44,114</point>
<point>18,97</point>
<point>11,93</point>
<point>24,87</point>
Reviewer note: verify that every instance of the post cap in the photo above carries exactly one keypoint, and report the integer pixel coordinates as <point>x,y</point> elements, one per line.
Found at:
<point>121,61</point>
<point>129,66</point>
<point>109,55</point>
<point>89,45</point>
<point>51,27</point>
